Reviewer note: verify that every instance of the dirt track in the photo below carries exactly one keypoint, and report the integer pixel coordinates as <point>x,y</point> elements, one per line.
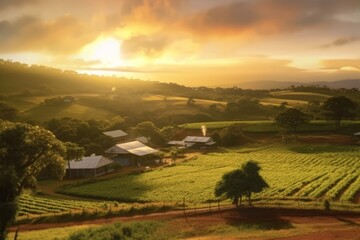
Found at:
<point>320,225</point>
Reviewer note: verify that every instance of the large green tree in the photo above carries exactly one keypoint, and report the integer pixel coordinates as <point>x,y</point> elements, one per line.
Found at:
<point>292,119</point>
<point>339,108</point>
<point>25,150</point>
<point>241,182</point>
<point>232,186</point>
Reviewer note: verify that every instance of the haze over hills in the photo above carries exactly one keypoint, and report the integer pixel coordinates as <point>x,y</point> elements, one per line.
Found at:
<point>346,83</point>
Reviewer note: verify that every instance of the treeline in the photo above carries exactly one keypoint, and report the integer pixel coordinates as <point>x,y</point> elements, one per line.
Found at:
<point>24,79</point>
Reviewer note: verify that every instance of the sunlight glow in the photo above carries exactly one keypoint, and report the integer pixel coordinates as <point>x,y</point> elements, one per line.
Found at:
<point>105,50</point>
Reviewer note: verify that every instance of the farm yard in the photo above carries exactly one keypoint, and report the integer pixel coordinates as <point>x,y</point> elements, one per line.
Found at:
<point>306,172</point>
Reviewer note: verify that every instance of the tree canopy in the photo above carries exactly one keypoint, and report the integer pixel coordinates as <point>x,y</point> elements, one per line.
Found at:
<point>292,119</point>
<point>241,182</point>
<point>338,108</point>
<point>25,150</point>
<point>150,131</point>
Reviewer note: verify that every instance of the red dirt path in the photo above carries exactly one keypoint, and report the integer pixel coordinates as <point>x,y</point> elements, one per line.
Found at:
<point>320,225</point>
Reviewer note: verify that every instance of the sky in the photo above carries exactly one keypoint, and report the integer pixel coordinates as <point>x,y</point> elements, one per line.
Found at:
<point>196,43</point>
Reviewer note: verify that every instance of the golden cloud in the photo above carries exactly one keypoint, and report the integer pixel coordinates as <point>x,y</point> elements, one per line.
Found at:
<point>28,33</point>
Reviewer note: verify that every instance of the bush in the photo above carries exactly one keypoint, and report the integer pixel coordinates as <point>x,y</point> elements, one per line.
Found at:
<point>119,231</point>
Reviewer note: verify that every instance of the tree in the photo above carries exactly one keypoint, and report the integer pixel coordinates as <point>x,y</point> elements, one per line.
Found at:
<point>338,108</point>
<point>73,152</point>
<point>254,183</point>
<point>150,131</point>
<point>292,119</point>
<point>231,186</point>
<point>232,136</point>
<point>25,150</point>
<point>190,101</point>
<point>7,112</point>
<point>241,182</point>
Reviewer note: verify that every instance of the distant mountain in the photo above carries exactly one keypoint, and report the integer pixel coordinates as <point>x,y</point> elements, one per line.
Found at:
<point>348,83</point>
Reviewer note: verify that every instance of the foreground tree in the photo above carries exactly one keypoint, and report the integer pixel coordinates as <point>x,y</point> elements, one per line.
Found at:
<point>232,186</point>
<point>241,182</point>
<point>254,183</point>
<point>25,151</point>
<point>338,108</point>
<point>291,119</point>
<point>8,112</point>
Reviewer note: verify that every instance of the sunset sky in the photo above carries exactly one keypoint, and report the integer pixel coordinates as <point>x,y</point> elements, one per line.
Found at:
<point>192,42</point>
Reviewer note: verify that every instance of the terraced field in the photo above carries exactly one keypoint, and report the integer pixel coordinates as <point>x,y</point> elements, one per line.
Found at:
<point>313,172</point>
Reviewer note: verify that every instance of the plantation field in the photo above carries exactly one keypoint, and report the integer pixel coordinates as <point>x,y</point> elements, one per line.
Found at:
<point>40,205</point>
<point>270,126</point>
<point>313,172</point>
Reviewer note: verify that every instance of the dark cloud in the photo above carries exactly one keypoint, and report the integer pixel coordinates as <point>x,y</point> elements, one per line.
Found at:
<point>342,41</point>
<point>269,16</point>
<point>146,45</point>
<point>28,33</point>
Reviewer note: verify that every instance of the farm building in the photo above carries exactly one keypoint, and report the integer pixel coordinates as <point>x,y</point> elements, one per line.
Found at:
<point>89,167</point>
<point>117,135</point>
<point>194,142</point>
<point>131,153</point>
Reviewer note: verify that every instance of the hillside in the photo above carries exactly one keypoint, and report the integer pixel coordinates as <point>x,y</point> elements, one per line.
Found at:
<point>270,84</point>
<point>32,90</point>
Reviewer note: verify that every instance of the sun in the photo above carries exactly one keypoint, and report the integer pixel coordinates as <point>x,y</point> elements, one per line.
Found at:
<point>107,51</point>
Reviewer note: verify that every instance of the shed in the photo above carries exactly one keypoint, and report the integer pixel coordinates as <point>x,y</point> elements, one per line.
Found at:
<point>123,153</point>
<point>89,167</point>
<point>194,142</point>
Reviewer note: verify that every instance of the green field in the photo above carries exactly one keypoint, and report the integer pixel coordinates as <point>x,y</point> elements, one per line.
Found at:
<point>313,172</point>
<point>300,96</point>
<point>44,113</point>
<point>270,126</point>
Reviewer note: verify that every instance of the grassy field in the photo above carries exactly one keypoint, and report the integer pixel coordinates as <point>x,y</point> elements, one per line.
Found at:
<point>300,96</point>
<point>50,234</point>
<point>313,172</point>
<point>270,126</point>
<point>278,102</point>
<point>44,112</point>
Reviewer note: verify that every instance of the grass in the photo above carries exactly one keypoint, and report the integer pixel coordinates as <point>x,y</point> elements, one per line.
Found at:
<point>291,173</point>
<point>44,112</point>
<point>49,234</point>
<point>270,126</point>
<point>302,96</point>
<point>278,102</point>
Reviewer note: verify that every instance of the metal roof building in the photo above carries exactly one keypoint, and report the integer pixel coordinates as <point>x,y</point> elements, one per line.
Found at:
<point>135,147</point>
<point>194,142</point>
<point>89,166</point>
